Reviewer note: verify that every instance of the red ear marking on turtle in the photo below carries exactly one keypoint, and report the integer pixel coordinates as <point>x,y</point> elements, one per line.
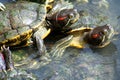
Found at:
<point>61,18</point>
<point>95,35</point>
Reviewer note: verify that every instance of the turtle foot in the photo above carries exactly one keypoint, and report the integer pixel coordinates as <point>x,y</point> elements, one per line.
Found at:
<point>8,57</point>
<point>40,45</point>
<point>4,49</point>
<point>2,7</point>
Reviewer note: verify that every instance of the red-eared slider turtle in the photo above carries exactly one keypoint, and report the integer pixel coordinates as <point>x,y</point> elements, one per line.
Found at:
<point>97,37</point>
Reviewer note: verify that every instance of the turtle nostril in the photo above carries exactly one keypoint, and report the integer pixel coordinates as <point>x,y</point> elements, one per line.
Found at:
<point>108,26</point>
<point>71,15</point>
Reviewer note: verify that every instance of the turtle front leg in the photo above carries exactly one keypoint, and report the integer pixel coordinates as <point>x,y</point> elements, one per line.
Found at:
<point>44,56</point>
<point>8,58</point>
<point>2,7</point>
<point>38,38</point>
<point>40,45</point>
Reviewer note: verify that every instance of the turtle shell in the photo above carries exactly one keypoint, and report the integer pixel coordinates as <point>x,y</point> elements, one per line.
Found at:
<point>19,21</point>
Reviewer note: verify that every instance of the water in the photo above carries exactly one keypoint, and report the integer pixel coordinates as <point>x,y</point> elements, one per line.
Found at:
<point>87,63</point>
<point>6,1</point>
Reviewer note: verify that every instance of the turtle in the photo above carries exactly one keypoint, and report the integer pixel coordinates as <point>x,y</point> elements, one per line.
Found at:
<point>97,37</point>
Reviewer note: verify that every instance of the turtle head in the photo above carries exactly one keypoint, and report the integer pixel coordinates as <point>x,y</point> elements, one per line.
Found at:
<point>63,19</point>
<point>100,36</point>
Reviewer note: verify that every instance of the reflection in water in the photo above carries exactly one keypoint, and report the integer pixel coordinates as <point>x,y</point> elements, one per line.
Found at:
<point>76,64</point>
<point>106,51</point>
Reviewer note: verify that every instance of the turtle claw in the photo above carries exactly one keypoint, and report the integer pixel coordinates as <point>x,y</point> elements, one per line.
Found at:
<point>2,7</point>
<point>5,49</point>
<point>60,46</point>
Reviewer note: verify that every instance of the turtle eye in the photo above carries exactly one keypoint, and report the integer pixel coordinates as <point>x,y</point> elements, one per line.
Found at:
<point>71,16</point>
<point>95,35</point>
<point>105,32</point>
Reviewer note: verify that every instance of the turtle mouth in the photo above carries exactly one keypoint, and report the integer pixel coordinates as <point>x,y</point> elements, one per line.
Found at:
<point>107,36</point>
<point>75,16</point>
<point>101,35</point>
